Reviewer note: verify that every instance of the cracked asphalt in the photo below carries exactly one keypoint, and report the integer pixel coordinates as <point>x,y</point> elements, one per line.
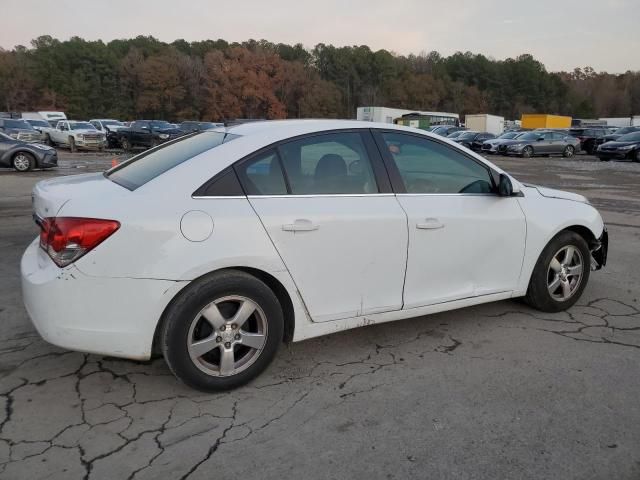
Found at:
<point>489,392</point>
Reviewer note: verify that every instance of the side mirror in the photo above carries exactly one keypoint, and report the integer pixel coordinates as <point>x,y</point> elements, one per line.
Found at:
<point>539,139</point>
<point>505,187</point>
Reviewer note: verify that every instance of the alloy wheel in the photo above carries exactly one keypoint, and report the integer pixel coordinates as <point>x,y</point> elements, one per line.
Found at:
<point>527,152</point>
<point>565,273</point>
<point>227,336</point>
<point>568,151</point>
<point>21,162</point>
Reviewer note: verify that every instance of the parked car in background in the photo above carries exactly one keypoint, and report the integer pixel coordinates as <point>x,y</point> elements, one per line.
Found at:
<point>446,130</point>
<point>217,247</point>
<point>40,126</point>
<point>23,156</point>
<point>540,142</point>
<point>194,126</point>
<point>146,134</point>
<point>473,140</point>
<point>625,147</point>
<point>589,136</point>
<point>617,134</point>
<point>108,126</point>
<point>76,135</point>
<point>20,130</point>
<point>491,146</point>
<point>456,134</point>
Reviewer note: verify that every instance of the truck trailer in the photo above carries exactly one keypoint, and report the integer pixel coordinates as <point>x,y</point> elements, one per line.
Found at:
<point>483,122</point>
<point>535,120</point>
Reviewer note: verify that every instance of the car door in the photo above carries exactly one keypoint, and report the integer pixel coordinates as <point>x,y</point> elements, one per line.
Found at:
<point>326,203</point>
<point>464,240</point>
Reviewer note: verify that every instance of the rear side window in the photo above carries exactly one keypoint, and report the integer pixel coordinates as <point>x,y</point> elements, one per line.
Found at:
<point>262,175</point>
<point>148,165</point>
<point>333,163</point>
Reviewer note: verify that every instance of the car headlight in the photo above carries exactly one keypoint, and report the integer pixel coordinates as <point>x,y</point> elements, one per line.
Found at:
<point>163,136</point>
<point>14,135</point>
<point>80,137</point>
<point>626,147</point>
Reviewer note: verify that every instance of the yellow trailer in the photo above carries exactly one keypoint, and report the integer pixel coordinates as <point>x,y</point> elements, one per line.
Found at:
<point>531,120</point>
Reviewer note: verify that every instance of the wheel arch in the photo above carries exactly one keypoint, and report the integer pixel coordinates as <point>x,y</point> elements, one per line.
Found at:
<point>272,282</point>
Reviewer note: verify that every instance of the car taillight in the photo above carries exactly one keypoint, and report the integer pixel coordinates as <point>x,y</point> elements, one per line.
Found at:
<point>66,239</point>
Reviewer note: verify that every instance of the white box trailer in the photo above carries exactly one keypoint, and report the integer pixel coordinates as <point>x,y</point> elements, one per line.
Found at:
<point>483,122</point>
<point>388,115</point>
<point>52,117</point>
<point>631,121</point>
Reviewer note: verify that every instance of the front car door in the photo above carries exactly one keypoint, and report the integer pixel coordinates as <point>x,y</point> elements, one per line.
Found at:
<point>464,240</point>
<point>326,203</point>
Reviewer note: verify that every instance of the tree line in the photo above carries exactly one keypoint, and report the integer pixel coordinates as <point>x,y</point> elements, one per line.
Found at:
<point>216,80</point>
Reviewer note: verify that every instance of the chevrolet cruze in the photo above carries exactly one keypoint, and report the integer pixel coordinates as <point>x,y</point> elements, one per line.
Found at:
<point>216,247</point>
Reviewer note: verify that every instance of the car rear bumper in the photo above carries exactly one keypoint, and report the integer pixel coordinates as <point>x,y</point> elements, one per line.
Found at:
<point>106,316</point>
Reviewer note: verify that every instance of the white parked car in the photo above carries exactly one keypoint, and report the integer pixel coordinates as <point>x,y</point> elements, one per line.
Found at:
<point>214,248</point>
<point>75,135</point>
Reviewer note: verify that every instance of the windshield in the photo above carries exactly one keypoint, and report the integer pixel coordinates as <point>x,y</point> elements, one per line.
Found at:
<point>630,137</point>
<point>81,126</point>
<point>148,165</point>
<point>160,124</point>
<point>112,122</point>
<point>38,123</point>
<point>17,124</point>
<point>468,135</point>
<point>509,135</point>
<point>624,130</point>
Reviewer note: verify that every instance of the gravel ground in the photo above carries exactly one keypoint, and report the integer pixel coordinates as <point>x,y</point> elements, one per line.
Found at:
<point>489,392</point>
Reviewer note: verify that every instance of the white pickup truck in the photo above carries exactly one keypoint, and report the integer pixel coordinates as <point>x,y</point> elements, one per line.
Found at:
<point>75,135</point>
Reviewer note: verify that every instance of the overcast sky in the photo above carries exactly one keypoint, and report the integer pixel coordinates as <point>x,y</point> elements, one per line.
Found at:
<point>563,34</point>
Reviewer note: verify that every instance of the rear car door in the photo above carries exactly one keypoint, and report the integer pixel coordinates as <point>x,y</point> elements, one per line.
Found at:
<point>464,240</point>
<point>326,203</point>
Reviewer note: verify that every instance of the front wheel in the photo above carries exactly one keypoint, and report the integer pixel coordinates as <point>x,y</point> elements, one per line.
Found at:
<point>222,331</point>
<point>72,145</point>
<point>636,156</point>
<point>126,145</point>
<point>527,152</point>
<point>568,151</point>
<point>23,162</point>
<point>561,273</point>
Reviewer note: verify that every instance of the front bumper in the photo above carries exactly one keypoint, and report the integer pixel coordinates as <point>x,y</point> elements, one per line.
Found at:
<point>48,159</point>
<point>599,250</point>
<point>611,155</point>
<point>105,316</point>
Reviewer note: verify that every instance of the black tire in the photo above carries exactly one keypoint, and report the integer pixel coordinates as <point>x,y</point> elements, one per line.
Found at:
<point>72,145</point>
<point>176,329</point>
<point>538,295</point>
<point>636,156</point>
<point>568,151</point>
<point>126,146</point>
<point>154,143</point>
<point>23,162</point>
<point>604,159</point>
<point>527,152</point>
<point>47,140</point>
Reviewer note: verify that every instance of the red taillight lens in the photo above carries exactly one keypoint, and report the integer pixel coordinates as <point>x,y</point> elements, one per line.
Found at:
<point>66,239</point>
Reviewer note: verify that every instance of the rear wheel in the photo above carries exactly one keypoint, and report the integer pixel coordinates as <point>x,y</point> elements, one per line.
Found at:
<point>568,151</point>
<point>561,273</point>
<point>636,156</point>
<point>527,152</point>
<point>222,331</point>
<point>126,145</point>
<point>23,162</point>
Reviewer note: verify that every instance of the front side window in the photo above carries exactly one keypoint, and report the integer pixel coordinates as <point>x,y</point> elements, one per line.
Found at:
<point>333,163</point>
<point>426,166</point>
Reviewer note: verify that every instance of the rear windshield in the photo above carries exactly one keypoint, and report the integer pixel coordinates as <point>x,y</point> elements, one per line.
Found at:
<point>142,168</point>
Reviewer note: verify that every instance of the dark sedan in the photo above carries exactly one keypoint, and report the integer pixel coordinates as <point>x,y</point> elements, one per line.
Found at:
<point>617,134</point>
<point>545,143</point>
<point>24,156</point>
<point>625,147</point>
<point>473,140</point>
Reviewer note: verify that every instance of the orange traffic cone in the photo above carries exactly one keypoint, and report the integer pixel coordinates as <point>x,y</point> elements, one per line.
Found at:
<point>114,162</point>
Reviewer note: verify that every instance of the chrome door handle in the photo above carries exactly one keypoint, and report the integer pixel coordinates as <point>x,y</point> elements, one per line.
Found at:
<point>430,224</point>
<point>300,225</point>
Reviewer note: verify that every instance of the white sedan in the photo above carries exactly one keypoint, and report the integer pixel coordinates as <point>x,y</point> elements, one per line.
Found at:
<point>214,248</point>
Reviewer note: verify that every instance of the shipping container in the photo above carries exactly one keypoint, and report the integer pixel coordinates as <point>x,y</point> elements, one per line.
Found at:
<point>483,122</point>
<point>534,120</point>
